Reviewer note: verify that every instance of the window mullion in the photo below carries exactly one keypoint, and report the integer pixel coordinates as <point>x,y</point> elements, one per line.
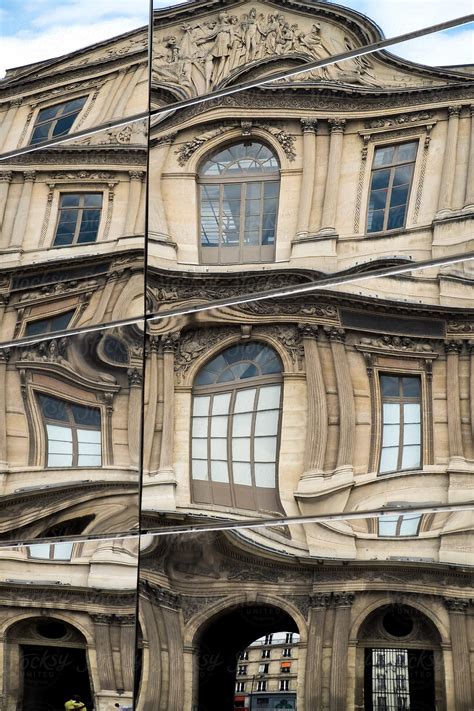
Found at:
<point>252,441</point>
<point>78,224</point>
<point>389,197</point>
<point>230,452</point>
<point>243,199</point>
<point>209,440</point>
<point>401,437</point>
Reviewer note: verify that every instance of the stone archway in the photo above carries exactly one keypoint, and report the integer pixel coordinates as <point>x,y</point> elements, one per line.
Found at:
<point>46,663</point>
<point>399,661</point>
<point>219,642</point>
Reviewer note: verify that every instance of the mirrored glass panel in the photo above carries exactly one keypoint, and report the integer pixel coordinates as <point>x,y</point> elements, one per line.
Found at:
<point>70,437</point>
<point>69,615</point>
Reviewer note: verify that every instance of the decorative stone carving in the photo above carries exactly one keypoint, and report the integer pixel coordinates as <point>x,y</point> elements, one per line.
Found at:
<point>460,326</point>
<point>6,176</point>
<point>83,175</point>
<point>456,604</point>
<point>309,125</point>
<point>193,344</point>
<point>454,111</point>
<point>160,596</point>
<point>53,351</point>
<point>289,337</point>
<point>453,346</point>
<point>170,342</point>
<point>135,377</point>
<point>399,120</point>
<point>335,334</point>
<point>289,307</point>
<point>136,174</point>
<point>397,343</point>
<point>320,599</point>
<point>343,599</point>
<point>29,176</point>
<point>191,605</point>
<point>337,125</point>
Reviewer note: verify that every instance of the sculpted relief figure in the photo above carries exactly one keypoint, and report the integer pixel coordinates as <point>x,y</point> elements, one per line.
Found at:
<point>206,53</point>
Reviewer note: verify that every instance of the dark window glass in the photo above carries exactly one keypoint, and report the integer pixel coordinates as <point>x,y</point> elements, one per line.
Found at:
<point>392,173</point>
<point>239,204</point>
<point>73,433</point>
<point>48,325</point>
<point>56,120</point>
<point>79,218</point>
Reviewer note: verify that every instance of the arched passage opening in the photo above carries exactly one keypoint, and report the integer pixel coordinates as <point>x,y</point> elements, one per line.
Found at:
<point>47,664</point>
<point>400,664</point>
<point>222,640</point>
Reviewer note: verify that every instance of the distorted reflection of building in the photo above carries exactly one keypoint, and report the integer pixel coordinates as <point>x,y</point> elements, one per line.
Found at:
<point>356,397</point>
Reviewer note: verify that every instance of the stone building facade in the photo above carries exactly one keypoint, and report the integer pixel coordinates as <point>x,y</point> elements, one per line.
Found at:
<point>353,396</point>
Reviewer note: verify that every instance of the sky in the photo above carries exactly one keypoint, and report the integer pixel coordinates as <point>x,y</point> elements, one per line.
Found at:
<point>35,30</point>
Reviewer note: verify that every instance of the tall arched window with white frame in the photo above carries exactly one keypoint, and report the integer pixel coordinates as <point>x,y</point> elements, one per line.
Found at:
<point>235,439</point>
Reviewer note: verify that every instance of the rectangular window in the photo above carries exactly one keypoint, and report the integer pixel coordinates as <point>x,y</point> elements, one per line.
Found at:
<point>406,525</point>
<point>401,423</point>
<point>289,638</point>
<point>56,120</point>
<point>263,668</point>
<point>49,325</point>
<point>392,173</point>
<point>244,655</point>
<point>261,685</point>
<point>242,670</point>
<point>266,653</point>
<point>78,219</point>
<point>50,551</point>
<point>240,686</point>
<point>285,667</point>
<point>73,433</point>
<point>268,639</point>
<point>284,685</point>
<point>287,652</point>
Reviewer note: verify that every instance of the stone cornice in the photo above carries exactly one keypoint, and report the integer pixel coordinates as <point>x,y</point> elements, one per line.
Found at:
<point>83,156</point>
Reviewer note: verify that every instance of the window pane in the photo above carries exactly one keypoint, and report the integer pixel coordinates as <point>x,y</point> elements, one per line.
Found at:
<point>402,175</point>
<point>265,475</point>
<point>219,426</point>
<point>74,104</point>
<point>244,400</point>
<point>200,426</point>
<point>242,473</point>
<point>86,415</point>
<point>266,423</point>
<point>70,200</point>
<point>389,459</point>
<point>40,134</point>
<point>411,387</point>
<point>62,551</point>
<point>242,425</point>
<point>241,449</point>
<point>383,155</point>
<point>375,221</point>
<point>56,446</point>
<point>409,525</point>
<point>391,435</point>
<point>378,199</point>
<point>407,151</point>
<point>380,179</point>
<point>390,385</point>
<point>411,413</point>
<point>396,217</point>
<point>219,448</point>
<point>89,436</point>
<point>62,434</point>
<point>388,525</point>
<point>201,405</point>
<point>199,470</point>
<point>265,449</point>
<point>89,460</point>
<point>59,460</point>
<point>269,397</point>
<point>220,404</point>
<point>90,449</point>
<point>39,550</point>
<point>48,113</point>
<point>63,125</point>
<point>199,447</point>
<point>391,413</point>
<point>232,191</point>
<point>219,471</point>
<point>411,457</point>
<point>412,434</point>
<point>399,196</point>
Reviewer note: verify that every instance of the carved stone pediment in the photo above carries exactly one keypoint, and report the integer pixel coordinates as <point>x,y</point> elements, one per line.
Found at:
<point>214,48</point>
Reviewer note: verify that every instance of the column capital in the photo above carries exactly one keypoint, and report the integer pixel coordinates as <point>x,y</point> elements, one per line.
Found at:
<point>456,604</point>
<point>15,103</point>
<point>308,330</point>
<point>136,174</point>
<point>309,125</point>
<point>337,125</point>
<point>4,355</point>
<point>320,600</point>
<point>101,618</point>
<point>170,342</point>
<point>29,175</point>
<point>343,599</point>
<point>6,176</point>
<point>453,346</point>
<point>337,335</point>
<point>470,345</point>
<point>135,377</point>
<point>454,111</point>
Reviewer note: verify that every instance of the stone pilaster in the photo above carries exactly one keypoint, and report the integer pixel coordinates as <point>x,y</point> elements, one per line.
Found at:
<point>457,608</point>
<point>469,197</point>
<point>453,399</point>
<point>309,127</point>
<point>319,602</point>
<point>470,345</point>
<point>157,222</point>
<point>135,186</point>
<point>336,128</point>
<point>342,601</point>
<point>4,356</point>
<point>23,210</point>
<point>105,663</point>
<point>8,121</point>
<point>135,380</point>
<point>449,161</point>
<point>345,395</point>
<point>151,403</point>
<point>5,180</point>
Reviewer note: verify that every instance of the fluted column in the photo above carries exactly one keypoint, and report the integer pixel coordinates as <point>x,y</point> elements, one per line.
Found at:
<point>135,187</point>
<point>317,418</point>
<point>105,663</point>
<point>8,121</point>
<point>449,161</point>
<point>4,356</point>
<point>345,396</point>
<point>336,128</point>
<point>135,380</point>
<point>23,209</point>
<point>453,398</point>
<point>106,293</point>
<point>309,127</point>
<point>319,602</point>
<point>470,345</point>
<point>127,650</point>
<point>457,608</point>
<point>151,406</point>
<point>342,601</point>
<point>5,180</point>
<point>169,345</point>
<point>469,199</point>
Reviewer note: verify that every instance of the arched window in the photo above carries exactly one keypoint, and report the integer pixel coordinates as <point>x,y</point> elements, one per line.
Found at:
<point>239,187</point>
<point>235,428</point>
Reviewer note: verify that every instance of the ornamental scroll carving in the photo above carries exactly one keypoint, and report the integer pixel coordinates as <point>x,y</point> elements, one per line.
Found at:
<point>199,56</point>
<point>396,343</point>
<point>193,344</point>
<point>399,120</point>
